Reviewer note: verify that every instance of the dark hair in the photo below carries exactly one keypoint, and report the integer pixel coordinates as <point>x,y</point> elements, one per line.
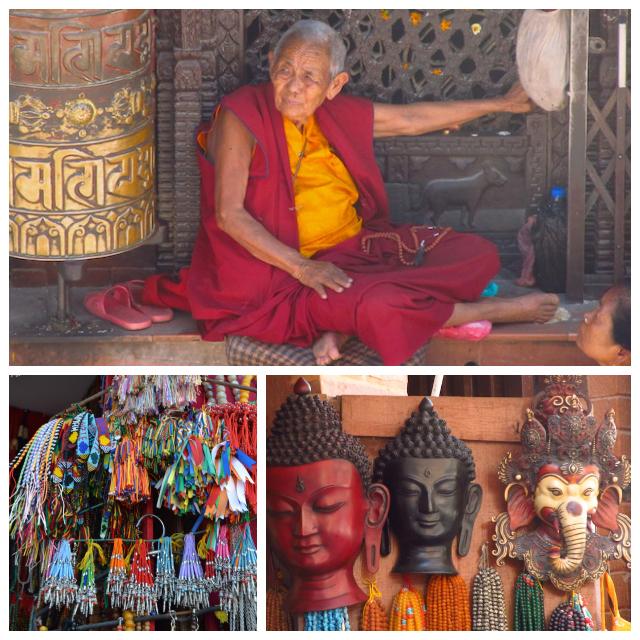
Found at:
<point>307,429</point>
<point>424,435</point>
<point>622,317</point>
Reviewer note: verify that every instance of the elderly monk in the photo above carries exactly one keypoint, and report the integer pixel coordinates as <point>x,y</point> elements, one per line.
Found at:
<point>295,244</point>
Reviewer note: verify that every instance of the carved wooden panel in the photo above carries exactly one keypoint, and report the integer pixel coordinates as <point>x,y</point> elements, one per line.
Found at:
<point>401,56</point>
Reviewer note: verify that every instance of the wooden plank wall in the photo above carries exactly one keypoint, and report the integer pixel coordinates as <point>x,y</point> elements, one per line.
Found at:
<point>490,426</point>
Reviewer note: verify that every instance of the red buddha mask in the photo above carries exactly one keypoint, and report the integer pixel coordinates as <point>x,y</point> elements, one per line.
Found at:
<point>320,507</point>
<point>566,483</point>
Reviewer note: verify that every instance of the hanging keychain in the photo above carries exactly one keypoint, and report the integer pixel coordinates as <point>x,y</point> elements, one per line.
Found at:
<point>139,592</point>
<point>191,586</point>
<point>165,574</point>
<point>117,577</point>
<point>60,589</point>
<point>86,597</point>
<point>243,614</point>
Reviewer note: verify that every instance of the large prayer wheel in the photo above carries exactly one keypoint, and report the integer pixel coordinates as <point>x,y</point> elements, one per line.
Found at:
<point>82,132</point>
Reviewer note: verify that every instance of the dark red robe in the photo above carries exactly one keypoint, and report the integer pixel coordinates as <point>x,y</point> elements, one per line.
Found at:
<point>392,308</point>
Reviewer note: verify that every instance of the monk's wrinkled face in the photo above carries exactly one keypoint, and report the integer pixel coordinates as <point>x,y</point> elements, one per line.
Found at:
<point>577,492</point>
<point>316,515</point>
<point>427,499</point>
<point>595,335</point>
<point>301,79</point>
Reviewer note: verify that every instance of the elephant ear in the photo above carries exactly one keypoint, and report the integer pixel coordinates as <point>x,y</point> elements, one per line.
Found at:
<point>608,507</point>
<point>519,507</point>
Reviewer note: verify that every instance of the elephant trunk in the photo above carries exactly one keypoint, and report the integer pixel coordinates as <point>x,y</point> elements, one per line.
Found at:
<point>573,527</point>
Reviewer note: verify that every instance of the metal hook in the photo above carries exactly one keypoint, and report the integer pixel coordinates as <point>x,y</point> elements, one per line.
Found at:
<point>151,515</point>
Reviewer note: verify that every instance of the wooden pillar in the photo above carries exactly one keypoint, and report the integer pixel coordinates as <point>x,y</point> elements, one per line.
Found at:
<point>578,63</point>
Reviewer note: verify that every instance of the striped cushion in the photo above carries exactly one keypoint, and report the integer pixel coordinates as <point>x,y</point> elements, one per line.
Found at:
<point>247,351</point>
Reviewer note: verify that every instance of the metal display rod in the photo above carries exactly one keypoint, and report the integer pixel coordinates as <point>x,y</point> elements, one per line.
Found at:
<point>158,616</point>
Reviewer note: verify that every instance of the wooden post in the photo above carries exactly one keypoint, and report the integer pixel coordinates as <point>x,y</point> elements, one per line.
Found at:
<point>621,152</point>
<point>578,63</point>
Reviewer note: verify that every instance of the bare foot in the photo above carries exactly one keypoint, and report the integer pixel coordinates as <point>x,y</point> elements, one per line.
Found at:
<point>532,307</point>
<point>326,348</point>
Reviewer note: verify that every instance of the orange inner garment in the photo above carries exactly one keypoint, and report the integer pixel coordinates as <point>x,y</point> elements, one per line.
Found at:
<point>325,194</point>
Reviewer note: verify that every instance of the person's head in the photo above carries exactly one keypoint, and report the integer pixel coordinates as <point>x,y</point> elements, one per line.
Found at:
<point>306,68</point>
<point>605,333</point>
<point>321,504</point>
<point>429,473</point>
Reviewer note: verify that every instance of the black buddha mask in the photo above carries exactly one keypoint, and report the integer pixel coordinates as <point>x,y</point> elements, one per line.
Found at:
<point>429,474</point>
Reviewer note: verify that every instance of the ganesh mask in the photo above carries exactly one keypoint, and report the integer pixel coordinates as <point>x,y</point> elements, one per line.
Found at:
<point>566,483</point>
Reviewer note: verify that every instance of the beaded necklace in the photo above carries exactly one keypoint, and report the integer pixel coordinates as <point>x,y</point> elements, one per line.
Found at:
<point>447,601</point>
<point>329,620</point>
<point>374,617</point>
<point>571,615</point>
<point>407,609</point>
<point>418,250</point>
<point>528,611</point>
<point>277,618</point>
<point>488,597</point>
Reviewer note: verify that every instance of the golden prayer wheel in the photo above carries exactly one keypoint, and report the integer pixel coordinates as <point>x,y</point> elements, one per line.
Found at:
<point>81,132</point>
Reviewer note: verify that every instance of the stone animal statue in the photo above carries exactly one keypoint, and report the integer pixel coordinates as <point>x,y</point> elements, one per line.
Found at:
<point>462,193</point>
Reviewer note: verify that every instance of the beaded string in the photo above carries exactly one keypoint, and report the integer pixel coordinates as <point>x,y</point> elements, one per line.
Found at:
<point>139,590</point>
<point>407,609</point>
<point>528,611</point>
<point>447,601</point>
<point>277,617</point>
<point>165,573</point>
<point>86,597</point>
<point>418,250</point>
<point>60,589</point>
<point>117,578</point>
<point>329,620</point>
<point>191,586</point>
<point>374,617</point>
<point>488,597</point>
<point>571,615</point>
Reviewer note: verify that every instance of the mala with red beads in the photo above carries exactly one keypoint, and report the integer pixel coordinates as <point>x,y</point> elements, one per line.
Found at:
<point>447,602</point>
<point>419,249</point>
<point>374,617</point>
<point>407,609</point>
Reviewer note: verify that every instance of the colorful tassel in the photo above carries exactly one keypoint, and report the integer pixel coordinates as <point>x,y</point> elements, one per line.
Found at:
<point>191,586</point>
<point>60,589</point>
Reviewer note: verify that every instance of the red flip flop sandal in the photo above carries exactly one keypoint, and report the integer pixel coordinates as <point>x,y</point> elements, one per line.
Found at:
<point>114,305</point>
<point>156,313</point>
<point>472,331</point>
